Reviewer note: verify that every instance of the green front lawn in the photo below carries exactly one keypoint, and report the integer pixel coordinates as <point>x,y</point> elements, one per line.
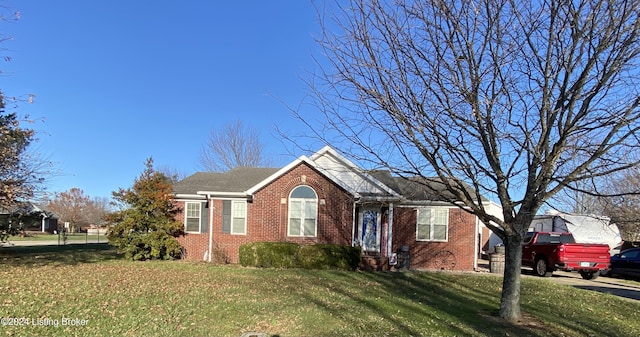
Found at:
<point>122,298</point>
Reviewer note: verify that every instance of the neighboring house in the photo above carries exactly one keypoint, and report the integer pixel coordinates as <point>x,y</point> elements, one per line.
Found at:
<point>326,198</point>
<point>31,217</point>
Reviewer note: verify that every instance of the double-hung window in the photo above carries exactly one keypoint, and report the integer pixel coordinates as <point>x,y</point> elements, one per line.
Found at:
<point>433,224</point>
<point>303,212</point>
<point>234,216</point>
<point>192,217</point>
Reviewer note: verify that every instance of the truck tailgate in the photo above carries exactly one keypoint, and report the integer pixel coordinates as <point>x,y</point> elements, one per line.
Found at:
<point>583,252</point>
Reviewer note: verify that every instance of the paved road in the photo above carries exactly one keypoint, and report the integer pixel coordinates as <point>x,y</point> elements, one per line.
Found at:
<point>619,287</point>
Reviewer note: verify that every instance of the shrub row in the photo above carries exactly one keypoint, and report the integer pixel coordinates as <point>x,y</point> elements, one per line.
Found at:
<point>292,255</point>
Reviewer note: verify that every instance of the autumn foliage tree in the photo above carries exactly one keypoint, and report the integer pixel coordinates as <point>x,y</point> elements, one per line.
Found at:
<point>146,227</point>
<point>78,209</point>
<point>70,206</point>
<point>19,171</point>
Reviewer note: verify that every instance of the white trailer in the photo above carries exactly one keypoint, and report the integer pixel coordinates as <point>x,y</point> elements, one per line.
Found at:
<point>585,228</point>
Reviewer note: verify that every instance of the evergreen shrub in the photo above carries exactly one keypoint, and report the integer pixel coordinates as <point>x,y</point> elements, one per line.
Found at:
<point>292,255</point>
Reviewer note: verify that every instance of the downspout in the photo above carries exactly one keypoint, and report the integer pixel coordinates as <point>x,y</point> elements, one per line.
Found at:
<point>210,225</point>
<point>390,231</point>
<point>475,244</point>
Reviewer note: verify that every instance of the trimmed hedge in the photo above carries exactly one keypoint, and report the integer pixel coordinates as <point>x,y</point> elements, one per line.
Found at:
<point>292,255</point>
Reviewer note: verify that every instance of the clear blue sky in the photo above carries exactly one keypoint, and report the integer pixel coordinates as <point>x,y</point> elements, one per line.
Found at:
<point>119,81</point>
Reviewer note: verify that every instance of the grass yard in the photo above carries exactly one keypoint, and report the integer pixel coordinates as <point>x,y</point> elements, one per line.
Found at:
<point>121,298</point>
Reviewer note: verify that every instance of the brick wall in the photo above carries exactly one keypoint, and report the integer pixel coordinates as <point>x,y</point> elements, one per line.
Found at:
<point>267,216</point>
<point>457,253</point>
<point>267,220</point>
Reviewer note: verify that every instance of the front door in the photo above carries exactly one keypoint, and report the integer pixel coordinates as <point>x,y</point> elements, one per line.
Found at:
<point>369,230</point>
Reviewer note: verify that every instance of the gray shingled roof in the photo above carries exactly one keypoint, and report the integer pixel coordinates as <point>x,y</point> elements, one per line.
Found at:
<point>239,179</point>
<point>415,188</point>
<point>243,178</point>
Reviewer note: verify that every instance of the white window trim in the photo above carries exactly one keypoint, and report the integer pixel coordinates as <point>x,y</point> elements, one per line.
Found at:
<point>186,207</point>
<point>446,239</point>
<point>233,203</point>
<point>303,200</point>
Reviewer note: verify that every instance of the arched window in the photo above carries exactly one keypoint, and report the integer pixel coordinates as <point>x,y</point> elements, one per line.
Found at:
<point>303,211</point>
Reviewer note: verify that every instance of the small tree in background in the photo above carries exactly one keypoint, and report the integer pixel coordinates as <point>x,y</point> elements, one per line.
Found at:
<point>97,210</point>
<point>146,227</point>
<point>234,145</point>
<point>78,209</point>
<point>624,209</point>
<point>71,207</point>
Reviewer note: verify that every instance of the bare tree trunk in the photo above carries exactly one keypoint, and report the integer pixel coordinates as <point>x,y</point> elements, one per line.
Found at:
<point>505,100</point>
<point>510,300</point>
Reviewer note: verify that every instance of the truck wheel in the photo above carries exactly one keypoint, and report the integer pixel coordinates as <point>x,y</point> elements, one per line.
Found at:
<point>541,268</point>
<point>589,275</point>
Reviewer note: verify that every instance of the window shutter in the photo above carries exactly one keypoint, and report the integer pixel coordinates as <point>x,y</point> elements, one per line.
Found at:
<point>204,217</point>
<point>226,216</point>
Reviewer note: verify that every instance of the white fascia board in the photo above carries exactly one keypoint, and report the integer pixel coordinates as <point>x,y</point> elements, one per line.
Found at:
<point>311,161</point>
<point>189,196</point>
<point>290,166</point>
<point>212,194</point>
<point>278,174</point>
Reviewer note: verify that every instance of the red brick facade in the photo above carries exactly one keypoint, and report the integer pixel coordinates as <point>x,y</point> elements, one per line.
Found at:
<point>267,216</point>
<point>267,220</point>
<point>457,253</point>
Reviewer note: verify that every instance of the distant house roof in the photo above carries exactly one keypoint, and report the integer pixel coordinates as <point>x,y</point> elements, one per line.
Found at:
<point>28,208</point>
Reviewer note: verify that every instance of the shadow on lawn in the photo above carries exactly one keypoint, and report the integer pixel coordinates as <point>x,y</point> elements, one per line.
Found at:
<point>57,255</point>
<point>429,297</point>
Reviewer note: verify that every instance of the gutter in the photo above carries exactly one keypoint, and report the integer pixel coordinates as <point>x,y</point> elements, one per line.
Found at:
<point>218,193</point>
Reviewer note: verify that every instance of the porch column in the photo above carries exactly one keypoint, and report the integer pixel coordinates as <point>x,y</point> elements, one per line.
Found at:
<point>354,225</point>
<point>44,217</point>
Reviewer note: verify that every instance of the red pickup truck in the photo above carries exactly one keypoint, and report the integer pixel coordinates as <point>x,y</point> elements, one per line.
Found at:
<point>546,252</point>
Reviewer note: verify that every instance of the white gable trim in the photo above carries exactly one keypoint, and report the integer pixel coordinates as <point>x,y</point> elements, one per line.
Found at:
<point>279,173</point>
<point>352,168</point>
<point>344,162</point>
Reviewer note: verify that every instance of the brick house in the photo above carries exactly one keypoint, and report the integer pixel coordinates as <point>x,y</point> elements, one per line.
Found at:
<point>325,198</point>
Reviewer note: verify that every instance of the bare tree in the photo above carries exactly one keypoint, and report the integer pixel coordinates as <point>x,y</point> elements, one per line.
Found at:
<point>22,170</point>
<point>516,99</point>
<point>576,200</point>
<point>234,145</point>
<point>172,173</point>
<point>96,210</point>
<point>624,210</point>
<point>70,206</point>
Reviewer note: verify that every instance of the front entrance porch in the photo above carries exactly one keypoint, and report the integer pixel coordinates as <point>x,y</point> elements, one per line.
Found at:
<point>372,234</point>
